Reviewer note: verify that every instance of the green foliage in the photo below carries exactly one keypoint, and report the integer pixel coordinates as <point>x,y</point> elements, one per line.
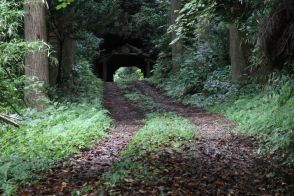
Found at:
<point>217,88</point>
<point>197,16</point>
<point>267,115</point>
<point>197,64</point>
<point>125,74</point>
<point>146,103</point>
<point>85,85</point>
<point>161,131</point>
<point>48,137</point>
<point>194,70</point>
<point>12,51</point>
<point>88,45</point>
<point>206,51</point>
<point>63,4</point>
<point>194,15</point>
<point>11,18</point>
<point>152,19</point>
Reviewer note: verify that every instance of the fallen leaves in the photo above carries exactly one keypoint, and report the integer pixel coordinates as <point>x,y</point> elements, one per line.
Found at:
<point>63,186</point>
<point>130,181</point>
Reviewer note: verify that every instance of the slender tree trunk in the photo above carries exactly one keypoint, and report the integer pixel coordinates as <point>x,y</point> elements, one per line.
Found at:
<point>237,54</point>
<point>59,74</point>
<point>68,60</point>
<point>54,66</point>
<point>36,63</point>
<point>177,47</point>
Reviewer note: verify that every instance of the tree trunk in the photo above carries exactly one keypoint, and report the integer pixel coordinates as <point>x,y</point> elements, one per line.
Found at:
<point>36,63</point>
<point>67,62</point>
<point>237,54</point>
<point>177,47</point>
<point>53,65</point>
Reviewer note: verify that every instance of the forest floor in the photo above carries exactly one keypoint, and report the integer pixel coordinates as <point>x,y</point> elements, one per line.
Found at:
<point>217,162</point>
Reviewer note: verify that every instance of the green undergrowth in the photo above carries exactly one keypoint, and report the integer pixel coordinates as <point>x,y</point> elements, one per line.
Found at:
<point>267,115</point>
<point>146,103</point>
<point>49,137</point>
<point>162,132</point>
<point>263,111</point>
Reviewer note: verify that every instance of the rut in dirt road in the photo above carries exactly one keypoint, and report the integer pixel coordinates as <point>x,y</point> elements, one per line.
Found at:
<point>86,168</point>
<point>226,162</point>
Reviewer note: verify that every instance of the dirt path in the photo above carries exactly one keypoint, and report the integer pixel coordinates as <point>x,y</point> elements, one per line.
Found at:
<point>225,163</point>
<point>87,167</point>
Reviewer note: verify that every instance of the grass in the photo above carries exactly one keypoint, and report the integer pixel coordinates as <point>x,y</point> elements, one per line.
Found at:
<point>146,103</point>
<point>268,116</point>
<point>162,131</point>
<point>47,138</point>
<point>265,112</point>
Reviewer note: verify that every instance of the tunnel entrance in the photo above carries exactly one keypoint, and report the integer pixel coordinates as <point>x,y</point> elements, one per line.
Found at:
<point>126,55</point>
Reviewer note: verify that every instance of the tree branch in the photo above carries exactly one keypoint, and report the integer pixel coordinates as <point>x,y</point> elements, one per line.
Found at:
<point>8,120</point>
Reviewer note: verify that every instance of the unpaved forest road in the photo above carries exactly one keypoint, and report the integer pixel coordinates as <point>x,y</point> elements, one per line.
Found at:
<point>225,162</point>
<point>87,167</point>
<point>218,163</point>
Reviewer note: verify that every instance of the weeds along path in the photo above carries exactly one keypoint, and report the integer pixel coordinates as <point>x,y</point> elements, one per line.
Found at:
<point>86,168</point>
<point>225,163</point>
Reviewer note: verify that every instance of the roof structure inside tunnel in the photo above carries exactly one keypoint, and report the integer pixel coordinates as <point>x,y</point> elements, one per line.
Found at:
<point>126,55</point>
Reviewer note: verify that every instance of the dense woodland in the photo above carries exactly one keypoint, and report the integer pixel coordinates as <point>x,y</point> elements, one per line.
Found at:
<point>230,57</point>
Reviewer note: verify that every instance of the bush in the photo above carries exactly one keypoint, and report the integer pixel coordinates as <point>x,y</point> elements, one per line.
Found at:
<point>88,45</point>
<point>195,67</point>
<point>217,88</point>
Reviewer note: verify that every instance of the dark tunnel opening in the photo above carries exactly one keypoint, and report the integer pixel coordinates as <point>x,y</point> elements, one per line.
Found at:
<point>107,68</point>
<point>122,52</point>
